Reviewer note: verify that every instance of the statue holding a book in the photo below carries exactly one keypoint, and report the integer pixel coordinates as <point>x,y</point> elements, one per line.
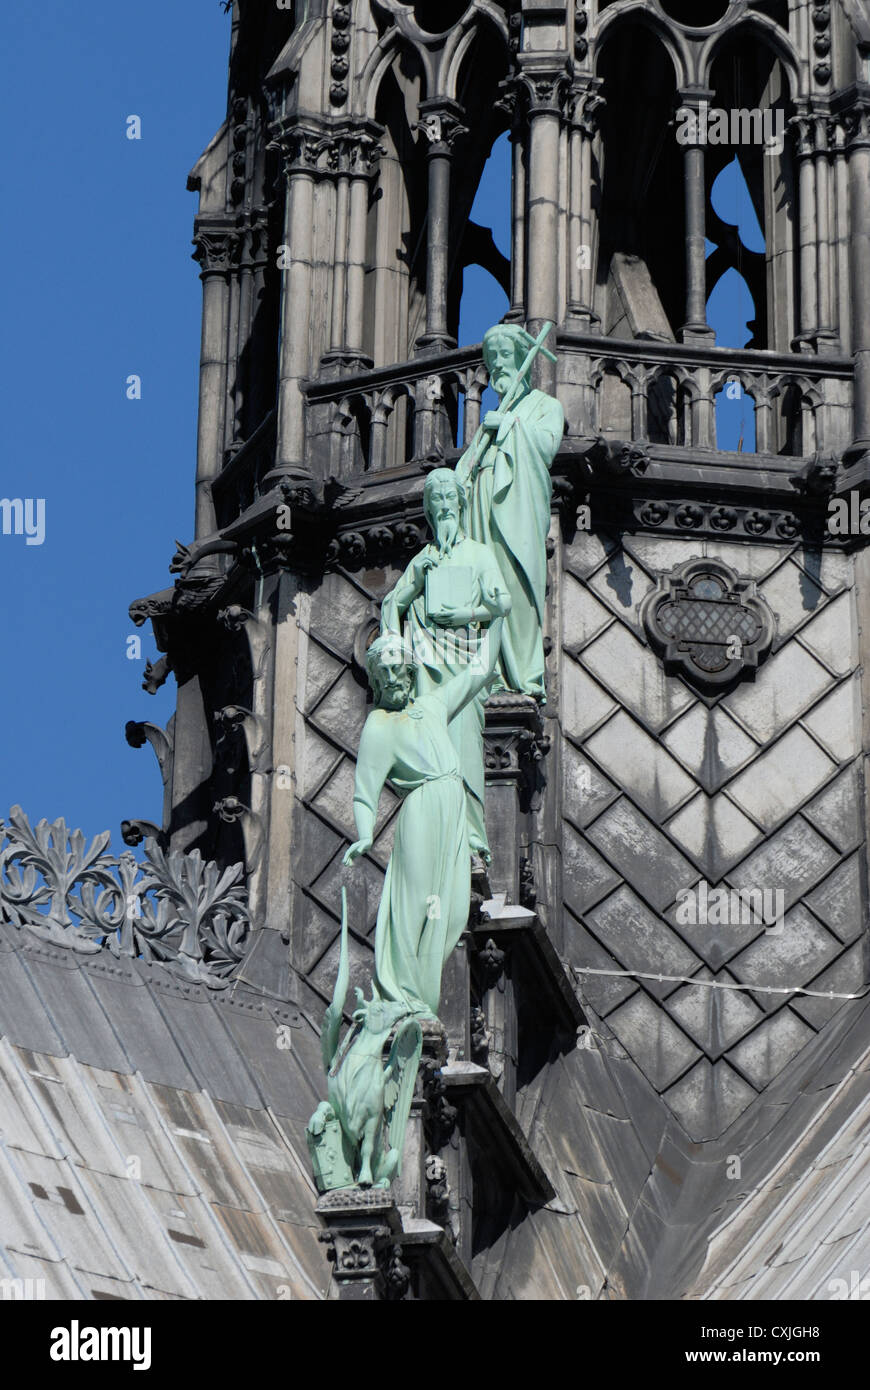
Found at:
<point>443,605</point>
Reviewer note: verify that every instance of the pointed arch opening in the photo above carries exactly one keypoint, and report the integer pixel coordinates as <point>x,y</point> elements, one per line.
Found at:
<point>640,290</point>
<point>735,418</point>
<point>751,207</point>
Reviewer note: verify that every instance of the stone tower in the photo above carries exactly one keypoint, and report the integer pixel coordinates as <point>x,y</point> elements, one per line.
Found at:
<point>679,834</point>
<point>333,232</point>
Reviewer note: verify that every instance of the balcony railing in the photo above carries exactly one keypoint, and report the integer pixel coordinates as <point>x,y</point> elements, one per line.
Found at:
<point>661,392</point>
<point>667,393</point>
<point>382,418</point>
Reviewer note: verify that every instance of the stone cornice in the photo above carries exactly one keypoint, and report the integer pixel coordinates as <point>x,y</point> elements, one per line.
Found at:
<point>586,104</point>
<point>544,80</point>
<point>322,149</point>
<point>441,124</point>
<point>852,109</point>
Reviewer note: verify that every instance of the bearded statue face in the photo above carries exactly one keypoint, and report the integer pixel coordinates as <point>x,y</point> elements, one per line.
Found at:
<point>442,506</point>
<point>391,674</point>
<point>503,353</point>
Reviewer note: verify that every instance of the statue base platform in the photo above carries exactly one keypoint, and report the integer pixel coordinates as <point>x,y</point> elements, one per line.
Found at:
<point>377,1259</point>
<point>362,1233</point>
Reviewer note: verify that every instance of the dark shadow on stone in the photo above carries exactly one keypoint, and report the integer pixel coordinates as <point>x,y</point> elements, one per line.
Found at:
<point>619,578</point>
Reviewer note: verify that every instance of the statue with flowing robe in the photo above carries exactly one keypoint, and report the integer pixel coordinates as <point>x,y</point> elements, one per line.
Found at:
<point>427,888</point>
<point>510,491</point>
<point>443,603</point>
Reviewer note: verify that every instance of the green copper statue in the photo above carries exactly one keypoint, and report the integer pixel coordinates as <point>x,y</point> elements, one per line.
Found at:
<point>427,890</point>
<point>507,472</point>
<point>355,1137</point>
<point>446,596</point>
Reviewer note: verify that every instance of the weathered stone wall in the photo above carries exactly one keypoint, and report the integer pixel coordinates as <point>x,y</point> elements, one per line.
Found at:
<point>757,788</point>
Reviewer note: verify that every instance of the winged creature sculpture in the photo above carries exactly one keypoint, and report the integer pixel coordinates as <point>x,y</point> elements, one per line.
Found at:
<point>355,1137</point>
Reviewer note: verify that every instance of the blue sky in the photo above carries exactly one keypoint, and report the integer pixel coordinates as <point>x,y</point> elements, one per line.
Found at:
<point>97,236</point>
<point>97,233</point>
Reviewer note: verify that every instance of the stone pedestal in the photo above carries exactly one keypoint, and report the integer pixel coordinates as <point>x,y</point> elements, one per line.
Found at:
<point>362,1235</point>
<point>412,1187</point>
<point>514,746</point>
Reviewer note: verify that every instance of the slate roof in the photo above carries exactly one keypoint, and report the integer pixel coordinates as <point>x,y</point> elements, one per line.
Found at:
<point>151,1146</point>
<point>152,1133</point>
<point>642,1212</point>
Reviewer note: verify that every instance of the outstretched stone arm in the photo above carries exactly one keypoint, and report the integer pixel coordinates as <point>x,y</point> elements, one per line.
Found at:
<point>373,765</point>
<point>461,689</point>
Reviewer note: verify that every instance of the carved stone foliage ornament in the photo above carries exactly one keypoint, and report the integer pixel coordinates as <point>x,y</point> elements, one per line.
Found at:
<point>821,17</point>
<point>708,624</point>
<point>178,909</point>
<point>361,1242</point>
<point>339,66</point>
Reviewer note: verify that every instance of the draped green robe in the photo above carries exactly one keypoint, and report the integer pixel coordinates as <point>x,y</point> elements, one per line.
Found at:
<point>443,652</point>
<point>427,889</point>
<point>509,512</point>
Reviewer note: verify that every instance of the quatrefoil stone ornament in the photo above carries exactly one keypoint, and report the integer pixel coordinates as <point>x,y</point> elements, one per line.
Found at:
<point>708,624</point>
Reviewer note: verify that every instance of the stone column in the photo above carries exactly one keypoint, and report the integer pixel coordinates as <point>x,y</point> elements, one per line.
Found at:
<point>858,145</point>
<point>696,328</point>
<point>841,196</point>
<point>354,315</point>
<point>509,102</point>
<point>355,157</point>
<point>243,333</point>
<point>826,337</point>
<point>704,410</point>
<point>803,128</point>
<point>231,378</point>
<point>301,151</point>
<point>288,602</point>
<point>258,402</point>
<point>638,409</point>
<point>517,312</point>
<point>585,106</point>
<point>339,275</point>
<point>441,124</point>
<point>216,248</point>
<point>545,89</point>
<point>763,416</point>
